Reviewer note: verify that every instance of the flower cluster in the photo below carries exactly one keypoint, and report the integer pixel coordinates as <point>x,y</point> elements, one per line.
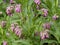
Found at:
<point>10,9</point>
<point>16,29</point>
<point>46,25</point>
<point>44,34</point>
<point>45,12</point>
<point>39,20</point>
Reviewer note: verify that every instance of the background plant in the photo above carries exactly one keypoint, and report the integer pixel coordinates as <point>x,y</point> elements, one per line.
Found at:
<point>30,19</point>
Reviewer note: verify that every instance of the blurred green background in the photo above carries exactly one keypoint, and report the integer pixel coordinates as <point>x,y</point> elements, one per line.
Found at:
<point>59,1</point>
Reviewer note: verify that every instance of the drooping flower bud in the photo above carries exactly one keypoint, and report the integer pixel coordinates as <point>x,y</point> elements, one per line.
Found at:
<point>37,2</point>
<point>9,10</point>
<point>55,17</point>
<point>12,27</point>
<point>46,26</point>
<point>3,23</point>
<point>44,34</point>
<point>45,12</point>
<point>18,8</point>
<point>18,31</point>
<point>12,1</point>
<point>4,43</point>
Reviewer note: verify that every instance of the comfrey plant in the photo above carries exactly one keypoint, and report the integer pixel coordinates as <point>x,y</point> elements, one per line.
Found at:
<point>4,43</point>
<point>37,2</point>
<point>44,34</point>
<point>18,8</point>
<point>45,12</point>
<point>15,28</point>
<point>9,10</point>
<point>29,22</point>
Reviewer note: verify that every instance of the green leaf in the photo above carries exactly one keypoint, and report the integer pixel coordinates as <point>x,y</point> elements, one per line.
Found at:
<point>1,30</point>
<point>48,41</point>
<point>25,42</point>
<point>1,1</point>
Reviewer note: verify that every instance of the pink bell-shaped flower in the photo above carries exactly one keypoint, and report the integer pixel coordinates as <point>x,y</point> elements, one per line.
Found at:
<point>18,8</point>
<point>37,2</point>
<point>4,43</point>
